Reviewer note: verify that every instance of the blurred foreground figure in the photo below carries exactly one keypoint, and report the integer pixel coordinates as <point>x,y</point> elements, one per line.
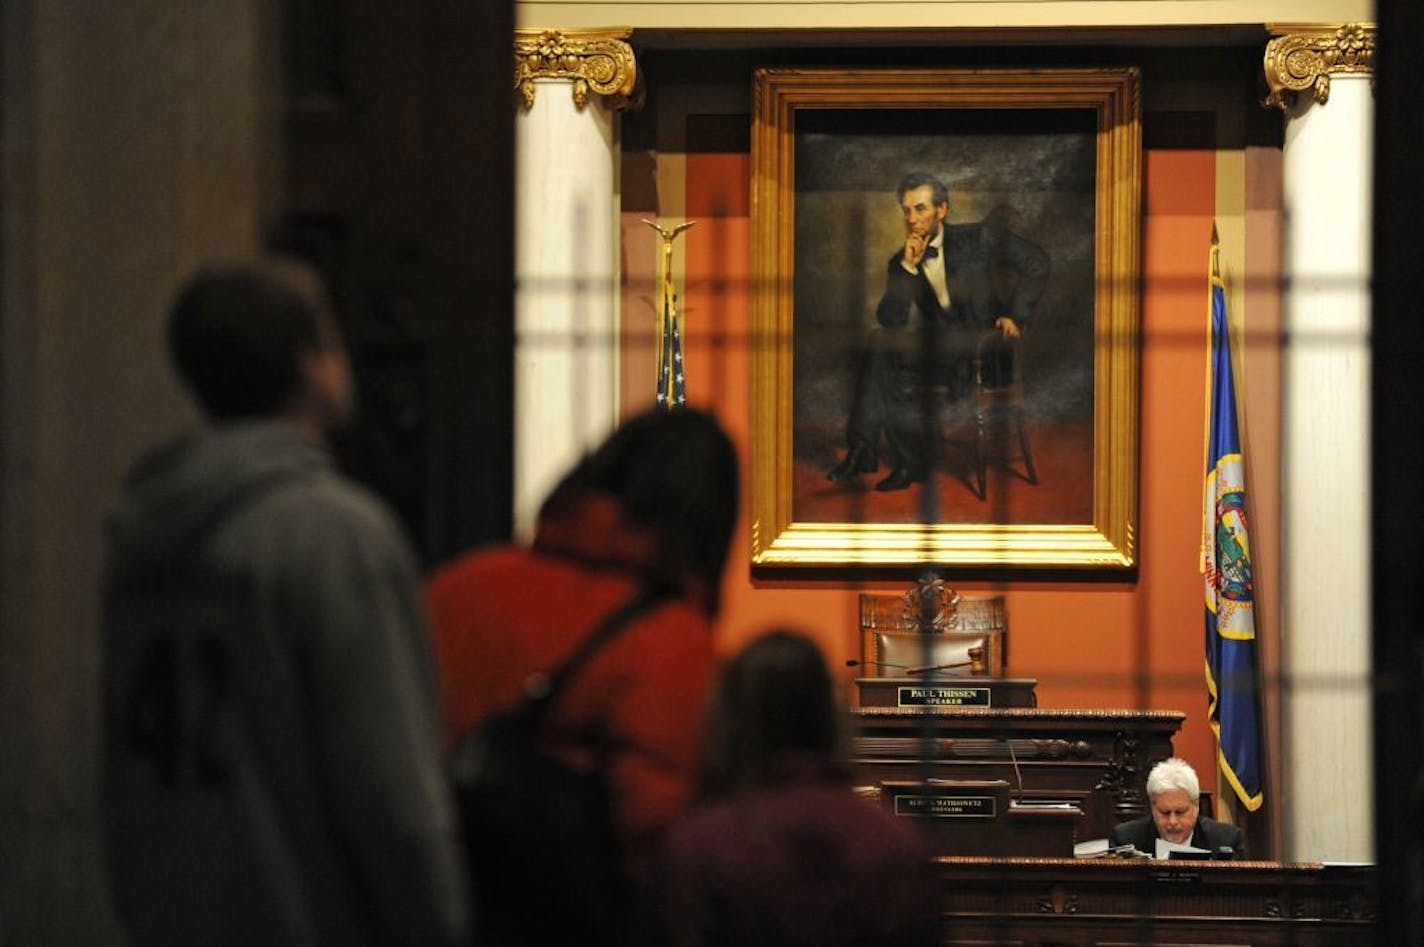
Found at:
<point>782,852</point>
<point>652,508</point>
<point>272,770</point>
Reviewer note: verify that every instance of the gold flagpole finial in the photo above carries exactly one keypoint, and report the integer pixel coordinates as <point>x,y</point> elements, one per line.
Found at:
<point>669,235</point>
<point>669,333</point>
<point>1215,254</point>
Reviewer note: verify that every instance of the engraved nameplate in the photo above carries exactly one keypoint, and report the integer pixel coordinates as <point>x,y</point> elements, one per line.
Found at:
<point>941,696</point>
<point>946,807</point>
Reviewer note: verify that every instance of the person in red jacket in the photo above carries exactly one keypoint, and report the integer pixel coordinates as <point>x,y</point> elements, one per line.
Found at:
<point>656,503</point>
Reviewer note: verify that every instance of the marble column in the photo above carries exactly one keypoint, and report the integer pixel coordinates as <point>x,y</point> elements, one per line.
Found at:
<point>571,84</point>
<point>1321,79</point>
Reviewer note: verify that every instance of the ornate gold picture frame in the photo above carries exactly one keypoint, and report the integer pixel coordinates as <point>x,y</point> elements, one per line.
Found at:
<point>1034,465</point>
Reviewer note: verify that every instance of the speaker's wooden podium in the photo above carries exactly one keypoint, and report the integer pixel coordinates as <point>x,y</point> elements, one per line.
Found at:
<point>937,710</point>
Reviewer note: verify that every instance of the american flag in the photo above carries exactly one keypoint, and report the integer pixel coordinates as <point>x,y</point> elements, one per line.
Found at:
<point>672,389</point>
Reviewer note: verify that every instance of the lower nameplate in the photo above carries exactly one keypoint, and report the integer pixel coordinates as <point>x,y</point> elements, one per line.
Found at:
<point>946,807</point>
<point>943,696</point>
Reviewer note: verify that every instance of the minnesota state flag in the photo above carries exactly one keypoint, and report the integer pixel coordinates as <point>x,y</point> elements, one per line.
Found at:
<point>1226,564</point>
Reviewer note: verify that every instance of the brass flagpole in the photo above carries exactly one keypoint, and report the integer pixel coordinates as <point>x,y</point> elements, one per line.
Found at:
<point>671,390</point>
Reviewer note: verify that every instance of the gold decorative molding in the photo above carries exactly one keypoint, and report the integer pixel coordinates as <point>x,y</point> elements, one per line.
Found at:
<point>1083,866</point>
<point>1303,58</point>
<point>598,61</point>
<point>1028,713</point>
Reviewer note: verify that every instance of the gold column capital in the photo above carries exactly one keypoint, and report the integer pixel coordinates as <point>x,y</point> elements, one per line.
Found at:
<point>600,61</point>
<point>1303,58</point>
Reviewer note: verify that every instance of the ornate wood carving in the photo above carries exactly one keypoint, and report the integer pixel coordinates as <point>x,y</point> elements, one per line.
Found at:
<point>1125,775</point>
<point>598,61</point>
<point>1047,902</point>
<point>1304,59</point>
<point>1058,901</point>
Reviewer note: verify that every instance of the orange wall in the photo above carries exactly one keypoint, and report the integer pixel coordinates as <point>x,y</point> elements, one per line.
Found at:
<point>1092,643</point>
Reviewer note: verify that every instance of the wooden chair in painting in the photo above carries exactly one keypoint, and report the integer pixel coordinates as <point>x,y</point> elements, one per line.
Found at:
<point>1000,435</point>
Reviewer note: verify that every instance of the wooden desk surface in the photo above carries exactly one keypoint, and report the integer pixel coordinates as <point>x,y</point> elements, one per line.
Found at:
<point>1066,901</point>
<point>1024,716</point>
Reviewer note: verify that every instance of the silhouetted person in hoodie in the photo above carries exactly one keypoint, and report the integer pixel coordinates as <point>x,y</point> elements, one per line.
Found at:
<point>271,768</point>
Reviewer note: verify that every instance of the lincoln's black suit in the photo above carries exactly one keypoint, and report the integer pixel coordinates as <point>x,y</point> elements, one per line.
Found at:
<point>990,272</point>
<point>1208,834</point>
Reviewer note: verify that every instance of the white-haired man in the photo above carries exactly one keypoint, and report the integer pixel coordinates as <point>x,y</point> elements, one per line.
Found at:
<point>1175,794</point>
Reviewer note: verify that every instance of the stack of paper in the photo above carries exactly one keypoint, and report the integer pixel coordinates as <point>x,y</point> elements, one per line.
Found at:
<point>1102,848</point>
<point>1166,849</point>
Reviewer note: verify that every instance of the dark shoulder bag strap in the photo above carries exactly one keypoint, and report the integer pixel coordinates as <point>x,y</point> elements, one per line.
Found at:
<point>542,687</point>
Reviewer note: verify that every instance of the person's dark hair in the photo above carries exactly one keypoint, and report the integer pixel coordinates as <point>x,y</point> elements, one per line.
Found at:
<point>939,194</point>
<point>674,473</point>
<point>774,702</point>
<point>236,334</point>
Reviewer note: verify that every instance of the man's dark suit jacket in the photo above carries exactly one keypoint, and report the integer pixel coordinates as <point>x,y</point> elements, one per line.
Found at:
<point>990,272</point>
<point>1208,834</point>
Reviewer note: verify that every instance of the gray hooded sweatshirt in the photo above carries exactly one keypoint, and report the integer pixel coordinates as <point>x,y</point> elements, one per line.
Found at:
<point>271,771</point>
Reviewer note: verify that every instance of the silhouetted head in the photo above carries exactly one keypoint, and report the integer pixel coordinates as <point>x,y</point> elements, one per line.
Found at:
<point>774,702</point>
<point>673,474</point>
<point>257,340</point>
